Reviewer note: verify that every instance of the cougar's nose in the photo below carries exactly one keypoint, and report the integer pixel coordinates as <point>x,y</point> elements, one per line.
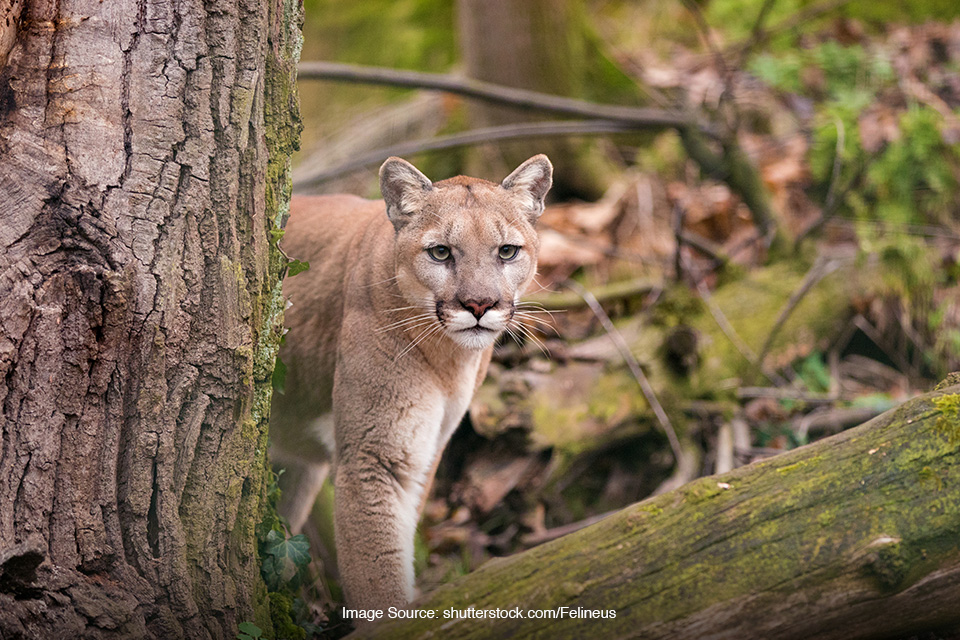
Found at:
<point>478,307</point>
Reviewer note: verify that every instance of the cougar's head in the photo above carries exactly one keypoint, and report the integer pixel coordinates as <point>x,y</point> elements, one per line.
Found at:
<point>466,248</point>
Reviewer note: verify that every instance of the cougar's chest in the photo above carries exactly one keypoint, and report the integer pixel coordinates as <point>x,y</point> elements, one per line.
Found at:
<point>457,393</point>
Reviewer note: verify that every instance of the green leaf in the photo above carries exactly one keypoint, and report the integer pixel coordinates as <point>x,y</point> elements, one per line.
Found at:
<point>815,374</point>
<point>284,560</point>
<point>249,631</point>
<point>279,379</point>
<point>296,266</point>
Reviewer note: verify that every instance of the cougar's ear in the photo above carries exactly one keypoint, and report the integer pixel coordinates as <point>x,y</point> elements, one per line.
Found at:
<point>532,180</point>
<point>403,188</point>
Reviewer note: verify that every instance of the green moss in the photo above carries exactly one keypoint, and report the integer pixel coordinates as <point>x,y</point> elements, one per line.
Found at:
<point>891,563</point>
<point>701,491</point>
<point>582,408</point>
<point>797,465</point>
<point>752,306</point>
<point>952,379</point>
<point>281,613</point>
<point>949,421</point>
<point>558,425</point>
<point>826,518</point>
<point>615,397</point>
<point>927,474</point>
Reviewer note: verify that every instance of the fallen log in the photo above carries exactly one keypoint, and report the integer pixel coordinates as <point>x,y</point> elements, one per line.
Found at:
<point>855,536</point>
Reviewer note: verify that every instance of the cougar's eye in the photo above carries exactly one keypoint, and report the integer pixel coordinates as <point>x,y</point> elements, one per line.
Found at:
<point>509,251</point>
<point>439,252</point>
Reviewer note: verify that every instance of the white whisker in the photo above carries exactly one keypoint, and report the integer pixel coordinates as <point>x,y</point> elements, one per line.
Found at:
<point>409,323</point>
<point>526,331</point>
<point>373,284</point>
<point>419,339</point>
<point>523,315</point>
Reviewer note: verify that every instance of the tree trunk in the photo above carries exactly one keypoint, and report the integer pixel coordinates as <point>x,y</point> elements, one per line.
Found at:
<point>856,536</point>
<point>143,170</point>
<point>529,44</point>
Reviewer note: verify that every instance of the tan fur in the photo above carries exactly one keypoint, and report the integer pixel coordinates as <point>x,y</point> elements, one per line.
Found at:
<point>386,346</point>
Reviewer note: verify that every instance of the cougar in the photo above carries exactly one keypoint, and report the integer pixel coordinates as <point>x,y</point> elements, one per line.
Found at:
<point>390,332</point>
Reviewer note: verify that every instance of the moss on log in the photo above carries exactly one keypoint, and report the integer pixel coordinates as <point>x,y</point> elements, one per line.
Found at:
<point>855,536</point>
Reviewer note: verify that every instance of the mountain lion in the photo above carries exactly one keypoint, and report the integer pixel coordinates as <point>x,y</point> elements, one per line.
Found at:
<point>390,333</point>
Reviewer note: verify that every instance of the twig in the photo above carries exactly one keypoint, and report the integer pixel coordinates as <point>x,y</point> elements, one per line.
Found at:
<point>633,365</point>
<point>555,301</point>
<point>707,34</point>
<point>726,98</point>
<point>679,214</point>
<point>805,15</point>
<point>757,30</point>
<point>733,167</point>
<point>757,34</point>
<point>734,337</point>
<point>741,439</point>
<point>533,539</point>
<point>725,449</point>
<point>833,420</point>
<point>830,204</point>
<point>643,117</point>
<point>476,136</point>
<point>780,393</point>
<point>820,269</point>
<point>731,333</point>
<point>871,332</point>
<point>707,247</point>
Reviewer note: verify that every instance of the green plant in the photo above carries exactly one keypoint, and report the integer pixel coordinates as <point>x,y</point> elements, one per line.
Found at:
<point>249,631</point>
<point>284,561</point>
<point>914,178</point>
<point>907,175</point>
<point>814,373</point>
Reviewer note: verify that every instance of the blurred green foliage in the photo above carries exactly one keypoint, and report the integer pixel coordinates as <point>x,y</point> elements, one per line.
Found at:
<point>914,178</point>
<point>910,179</point>
<point>407,34</point>
<point>736,18</point>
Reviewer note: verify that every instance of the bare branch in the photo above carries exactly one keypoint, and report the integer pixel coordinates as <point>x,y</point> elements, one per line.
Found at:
<point>475,136</point>
<point>641,117</point>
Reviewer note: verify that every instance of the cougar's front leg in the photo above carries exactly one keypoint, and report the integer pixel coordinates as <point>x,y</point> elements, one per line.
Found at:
<point>385,452</point>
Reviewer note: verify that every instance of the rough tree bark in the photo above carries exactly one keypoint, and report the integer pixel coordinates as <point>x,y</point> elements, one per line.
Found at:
<point>856,536</point>
<point>144,157</point>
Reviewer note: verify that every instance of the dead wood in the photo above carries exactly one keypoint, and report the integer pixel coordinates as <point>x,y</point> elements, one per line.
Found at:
<point>855,536</point>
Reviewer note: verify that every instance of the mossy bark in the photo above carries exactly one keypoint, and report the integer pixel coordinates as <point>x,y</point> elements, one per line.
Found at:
<point>855,536</point>
<point>143,180</point>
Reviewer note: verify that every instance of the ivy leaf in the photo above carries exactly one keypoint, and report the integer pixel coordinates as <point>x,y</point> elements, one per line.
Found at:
<point>249,631</point>
<point>284,560</point>
<point>296,266</point>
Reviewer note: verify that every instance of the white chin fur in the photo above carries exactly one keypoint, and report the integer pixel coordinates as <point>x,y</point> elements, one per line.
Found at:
<point>464,329</point>
<point>476,340</point>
